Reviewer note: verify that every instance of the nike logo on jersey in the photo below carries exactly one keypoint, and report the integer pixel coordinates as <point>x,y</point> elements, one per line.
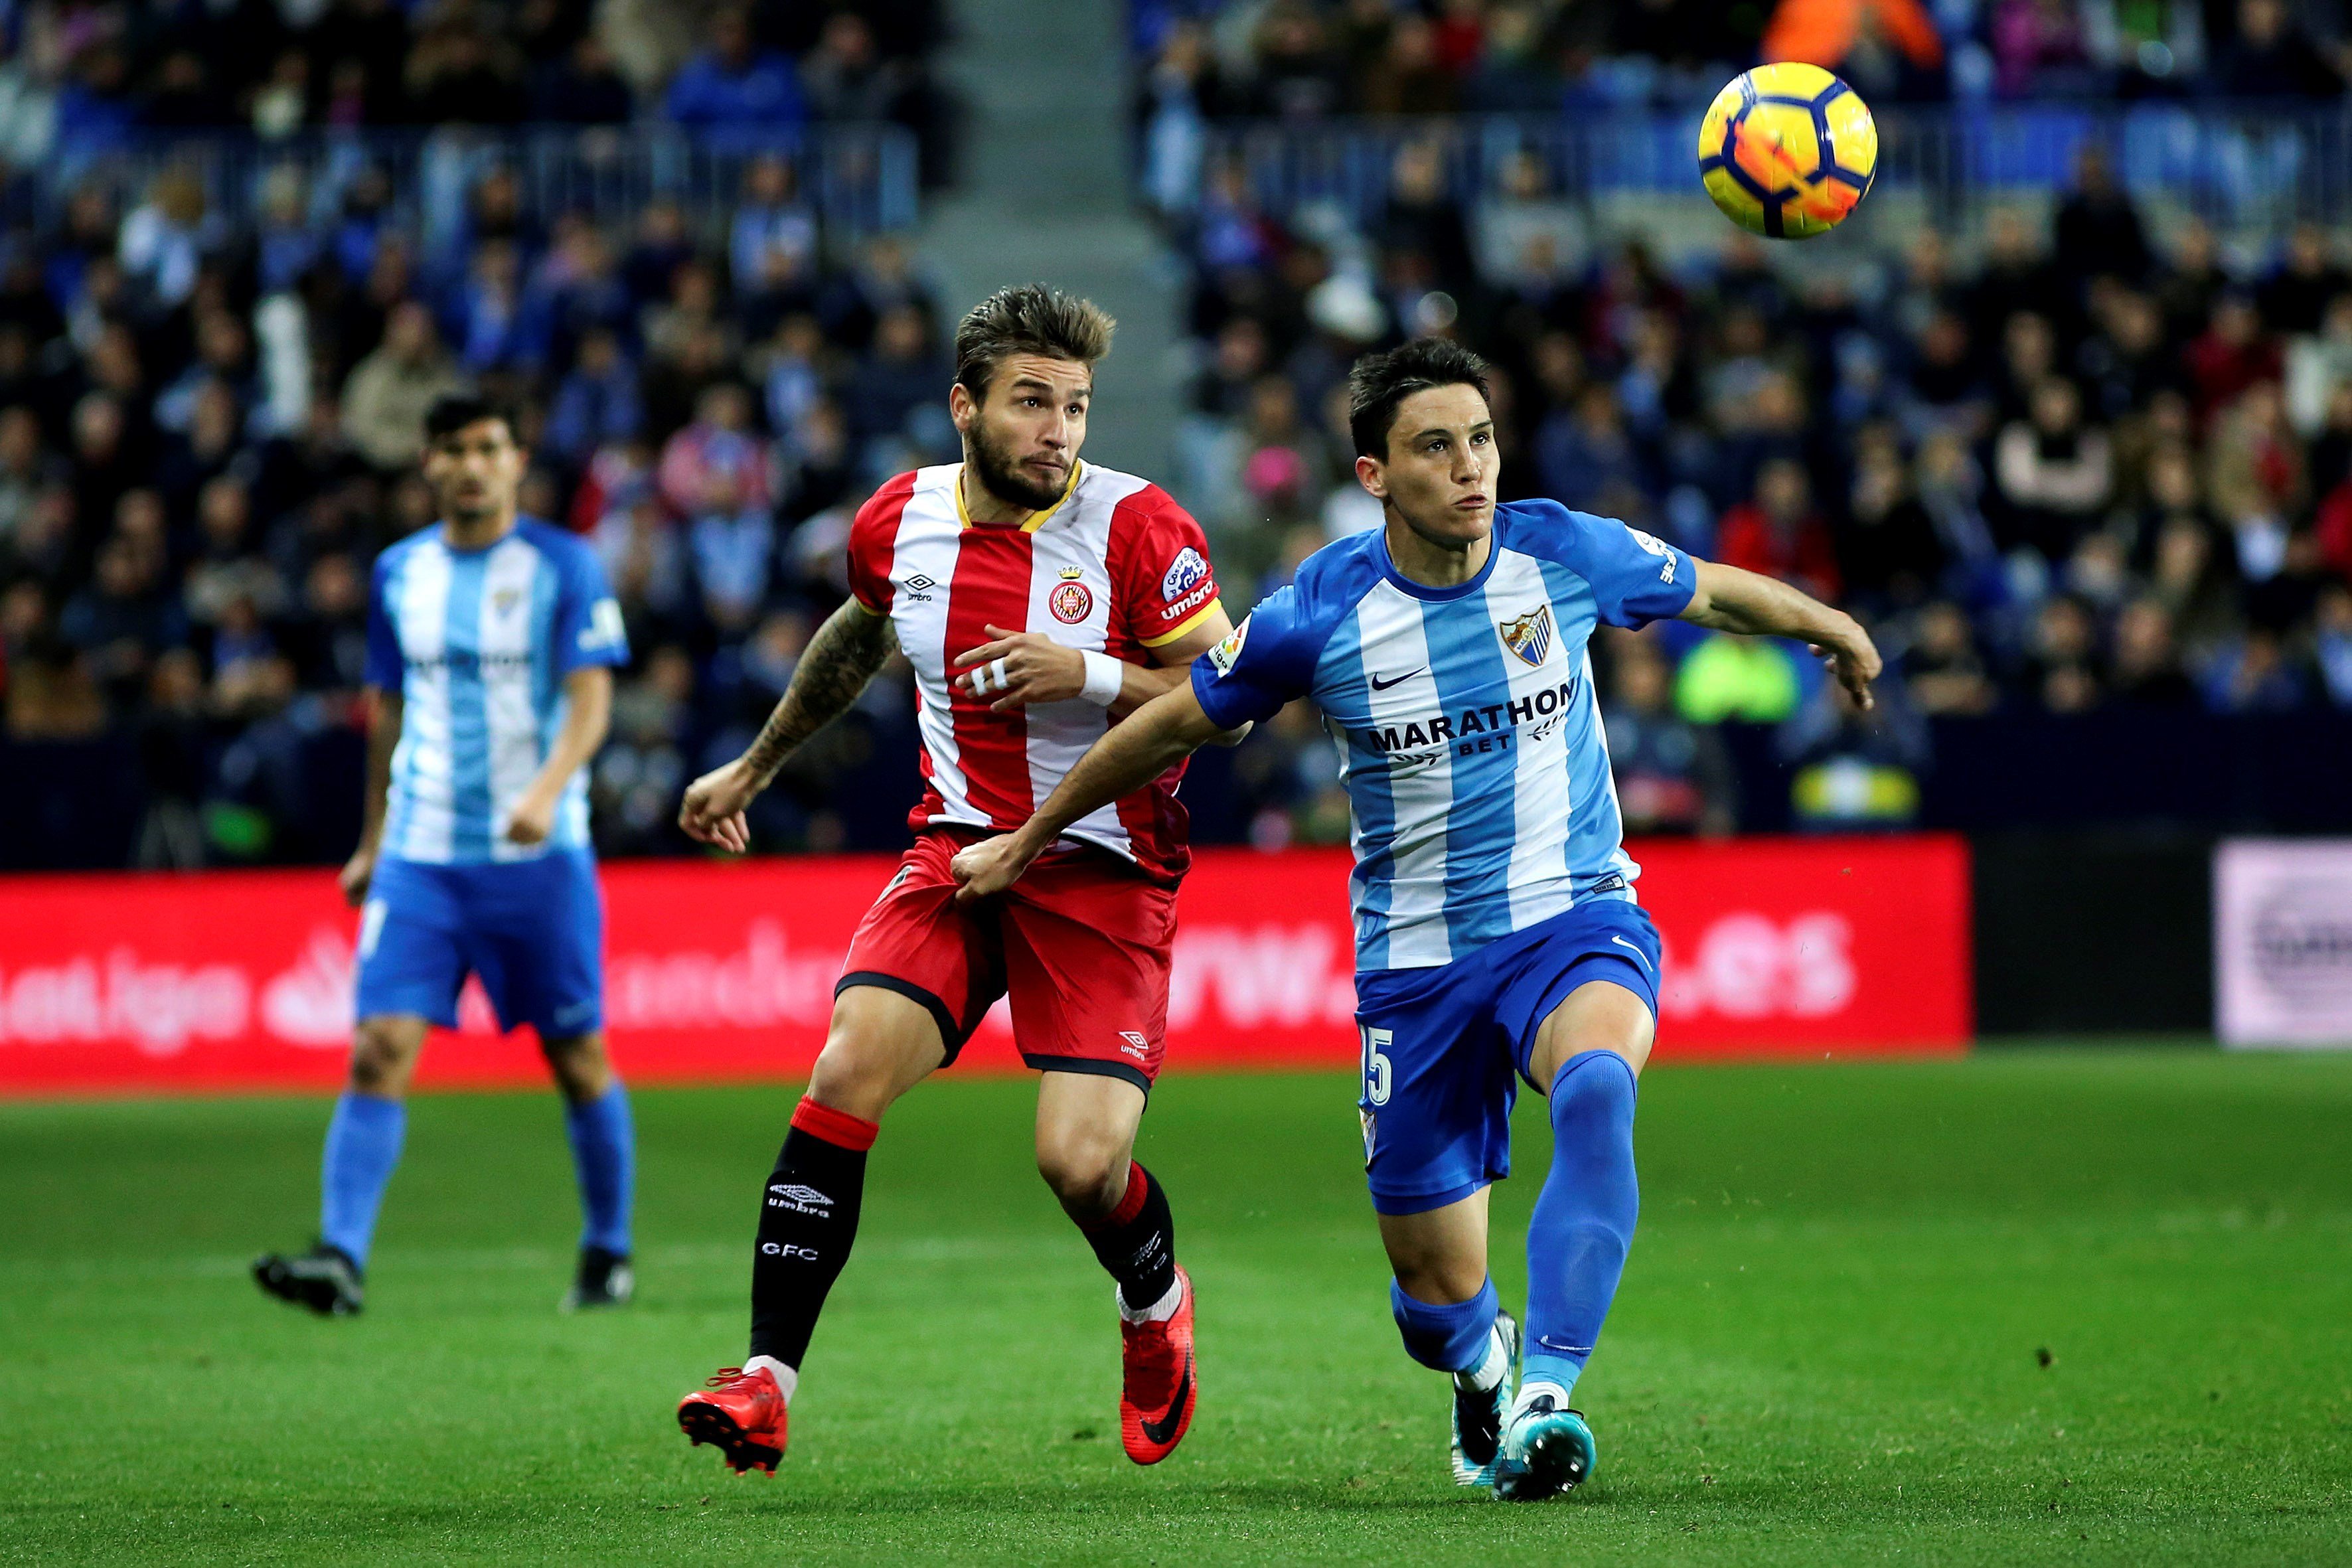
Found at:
<point>1380,685</point>
<point>1161,1430</point>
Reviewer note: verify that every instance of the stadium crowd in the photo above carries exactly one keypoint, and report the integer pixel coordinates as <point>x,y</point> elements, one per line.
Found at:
<point>89,77</point>
<point>209,426</point>
<point>2085,467</point>
<point>1310,59</point>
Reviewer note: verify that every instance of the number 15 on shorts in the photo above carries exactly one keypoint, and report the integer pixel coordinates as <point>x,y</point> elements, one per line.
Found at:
<point>1376,1083</point>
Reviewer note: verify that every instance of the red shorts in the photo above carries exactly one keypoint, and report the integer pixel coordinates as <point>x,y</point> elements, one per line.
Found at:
<point>1080,944</point>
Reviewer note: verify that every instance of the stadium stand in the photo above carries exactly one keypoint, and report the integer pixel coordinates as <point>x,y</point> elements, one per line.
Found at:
<point>2084,456</point>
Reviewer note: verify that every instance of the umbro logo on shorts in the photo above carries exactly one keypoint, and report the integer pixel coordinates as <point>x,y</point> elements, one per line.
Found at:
<point>1134,1045</point>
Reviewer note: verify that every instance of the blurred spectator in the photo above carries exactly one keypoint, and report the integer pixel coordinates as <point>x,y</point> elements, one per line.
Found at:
<point>2231,355</point>
<point>2272,56</point>
<point>1779,534</point>
<point>2054,474</point>
<point>716,463</point>
<point>2251,674</point>
<point>383,402</point>
<point>2147,664</point>
<point>2097,231</point>
<point>1889,555</point>
<point>1671,777</point>
<point>2334,642</point>
<point>1941,666</point>
<point>735,83</point>
<point>2062,673</point>
<point>597,403</point>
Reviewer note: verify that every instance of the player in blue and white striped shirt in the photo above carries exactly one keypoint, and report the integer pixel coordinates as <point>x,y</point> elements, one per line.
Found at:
<point>1497,934</point>
<point>491,642</point>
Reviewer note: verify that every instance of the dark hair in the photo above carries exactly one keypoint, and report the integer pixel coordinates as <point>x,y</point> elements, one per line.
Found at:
<point>1029,319</point>
<point>452,411</point>
<point>1380,382</point>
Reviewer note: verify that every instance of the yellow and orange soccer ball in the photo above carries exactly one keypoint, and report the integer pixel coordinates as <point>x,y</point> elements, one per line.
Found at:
<point>1787,150</point>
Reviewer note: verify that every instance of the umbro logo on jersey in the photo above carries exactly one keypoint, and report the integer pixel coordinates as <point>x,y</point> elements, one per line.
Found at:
<point>919,587</point>
<point>1380,685</point>
<point>1134,1045</point>
<point>1530,635</point>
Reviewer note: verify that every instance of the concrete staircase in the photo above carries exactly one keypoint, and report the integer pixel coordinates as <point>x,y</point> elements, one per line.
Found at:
<point>1044,198</point>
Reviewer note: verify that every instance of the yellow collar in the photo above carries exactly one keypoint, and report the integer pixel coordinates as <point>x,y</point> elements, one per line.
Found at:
<point>1035,519</point>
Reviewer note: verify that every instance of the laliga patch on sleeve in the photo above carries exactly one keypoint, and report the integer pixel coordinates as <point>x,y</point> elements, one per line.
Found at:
<point>605,628</point>
<point>1184,575</point>
<point>1225,652</point>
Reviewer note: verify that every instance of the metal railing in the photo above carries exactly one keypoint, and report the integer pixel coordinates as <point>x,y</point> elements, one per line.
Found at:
<point>861,179</point>
<point>2238,167</point>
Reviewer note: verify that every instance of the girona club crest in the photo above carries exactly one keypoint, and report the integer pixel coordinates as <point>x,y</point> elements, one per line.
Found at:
<point>1529,636</point>
<point>1071,602</point>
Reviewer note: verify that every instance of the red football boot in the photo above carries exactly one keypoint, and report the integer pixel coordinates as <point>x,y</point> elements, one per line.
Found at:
<point>742,1414</point>
<point>1155,1401</point>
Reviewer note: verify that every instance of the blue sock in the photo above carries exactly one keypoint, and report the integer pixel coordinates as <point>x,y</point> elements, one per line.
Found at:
<point>363,1146</point>
<point>1451,1339</point>
<point>603,1151</point>
<point>1584,1216</point>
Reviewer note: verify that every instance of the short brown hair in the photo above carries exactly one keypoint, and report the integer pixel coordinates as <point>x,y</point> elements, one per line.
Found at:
<point>1378,383</point>
<point>1029,319</point>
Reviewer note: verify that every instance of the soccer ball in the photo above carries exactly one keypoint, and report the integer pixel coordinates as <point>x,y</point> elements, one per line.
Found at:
<point>1787,150</point>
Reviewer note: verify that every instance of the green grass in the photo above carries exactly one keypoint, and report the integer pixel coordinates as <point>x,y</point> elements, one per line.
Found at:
<point>1826,1349</point>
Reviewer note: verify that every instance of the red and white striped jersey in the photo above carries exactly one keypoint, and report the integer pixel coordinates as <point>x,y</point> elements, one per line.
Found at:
<point>1116,567</point>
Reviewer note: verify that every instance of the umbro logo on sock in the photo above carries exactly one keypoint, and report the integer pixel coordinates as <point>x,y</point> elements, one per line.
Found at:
<point>799,1199</point>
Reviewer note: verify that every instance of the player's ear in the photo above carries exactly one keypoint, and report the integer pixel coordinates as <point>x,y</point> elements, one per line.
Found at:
<point>961,407</point>
<point>1371,475</point>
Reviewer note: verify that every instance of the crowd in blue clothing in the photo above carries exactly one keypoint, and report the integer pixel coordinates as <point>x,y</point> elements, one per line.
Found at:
<point>209,426</point>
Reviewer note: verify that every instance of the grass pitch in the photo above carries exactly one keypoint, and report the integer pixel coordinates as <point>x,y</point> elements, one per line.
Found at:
<point>2032,1307</point>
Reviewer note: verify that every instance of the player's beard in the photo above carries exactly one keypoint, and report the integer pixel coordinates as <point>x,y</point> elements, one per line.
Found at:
<point>1001,477</point>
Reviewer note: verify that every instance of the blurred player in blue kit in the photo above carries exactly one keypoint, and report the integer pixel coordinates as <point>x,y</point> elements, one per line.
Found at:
<point>1499,937</point>
<point>491,642</point>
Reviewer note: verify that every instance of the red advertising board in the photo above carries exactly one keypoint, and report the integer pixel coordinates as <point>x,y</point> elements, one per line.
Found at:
<point>243,980</point>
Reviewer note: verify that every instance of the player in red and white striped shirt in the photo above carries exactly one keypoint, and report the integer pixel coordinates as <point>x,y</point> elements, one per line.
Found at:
<point>1040,600</point>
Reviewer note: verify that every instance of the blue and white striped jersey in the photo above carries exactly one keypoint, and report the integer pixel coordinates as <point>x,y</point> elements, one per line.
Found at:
<point>1469,738</point>
<point>477,642</point>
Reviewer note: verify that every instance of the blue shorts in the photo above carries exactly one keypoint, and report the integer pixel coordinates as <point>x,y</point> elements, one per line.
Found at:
<point>1444,1048</point>
<point>533,930</point>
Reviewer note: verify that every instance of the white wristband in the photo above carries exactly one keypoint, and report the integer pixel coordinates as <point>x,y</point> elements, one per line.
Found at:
<point>1106,677</point>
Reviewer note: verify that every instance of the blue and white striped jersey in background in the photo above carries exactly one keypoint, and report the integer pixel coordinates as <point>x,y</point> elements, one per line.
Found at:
<point>1470,740</point>
<point>477,643</point>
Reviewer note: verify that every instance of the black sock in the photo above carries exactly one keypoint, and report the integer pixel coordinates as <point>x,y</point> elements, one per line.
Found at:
<point>808,1219</point>
<point>1135,1242</point>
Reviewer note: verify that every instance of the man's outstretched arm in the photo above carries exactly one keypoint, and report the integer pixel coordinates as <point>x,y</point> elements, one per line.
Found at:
<point>852,644</point>
<point>1151,741</point>
<point>1730,600</point>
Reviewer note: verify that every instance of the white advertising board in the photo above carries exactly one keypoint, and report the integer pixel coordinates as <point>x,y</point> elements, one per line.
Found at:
<point>2282,941</point>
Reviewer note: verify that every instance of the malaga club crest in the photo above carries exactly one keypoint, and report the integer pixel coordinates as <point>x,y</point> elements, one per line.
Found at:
<point>1529,636</point>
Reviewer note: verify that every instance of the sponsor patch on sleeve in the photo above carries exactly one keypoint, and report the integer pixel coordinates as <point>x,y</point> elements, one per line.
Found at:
<point>1223,655</point>
<point>1184,575</point>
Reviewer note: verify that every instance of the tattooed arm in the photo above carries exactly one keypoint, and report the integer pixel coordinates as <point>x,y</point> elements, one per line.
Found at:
<point>840,659</point>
